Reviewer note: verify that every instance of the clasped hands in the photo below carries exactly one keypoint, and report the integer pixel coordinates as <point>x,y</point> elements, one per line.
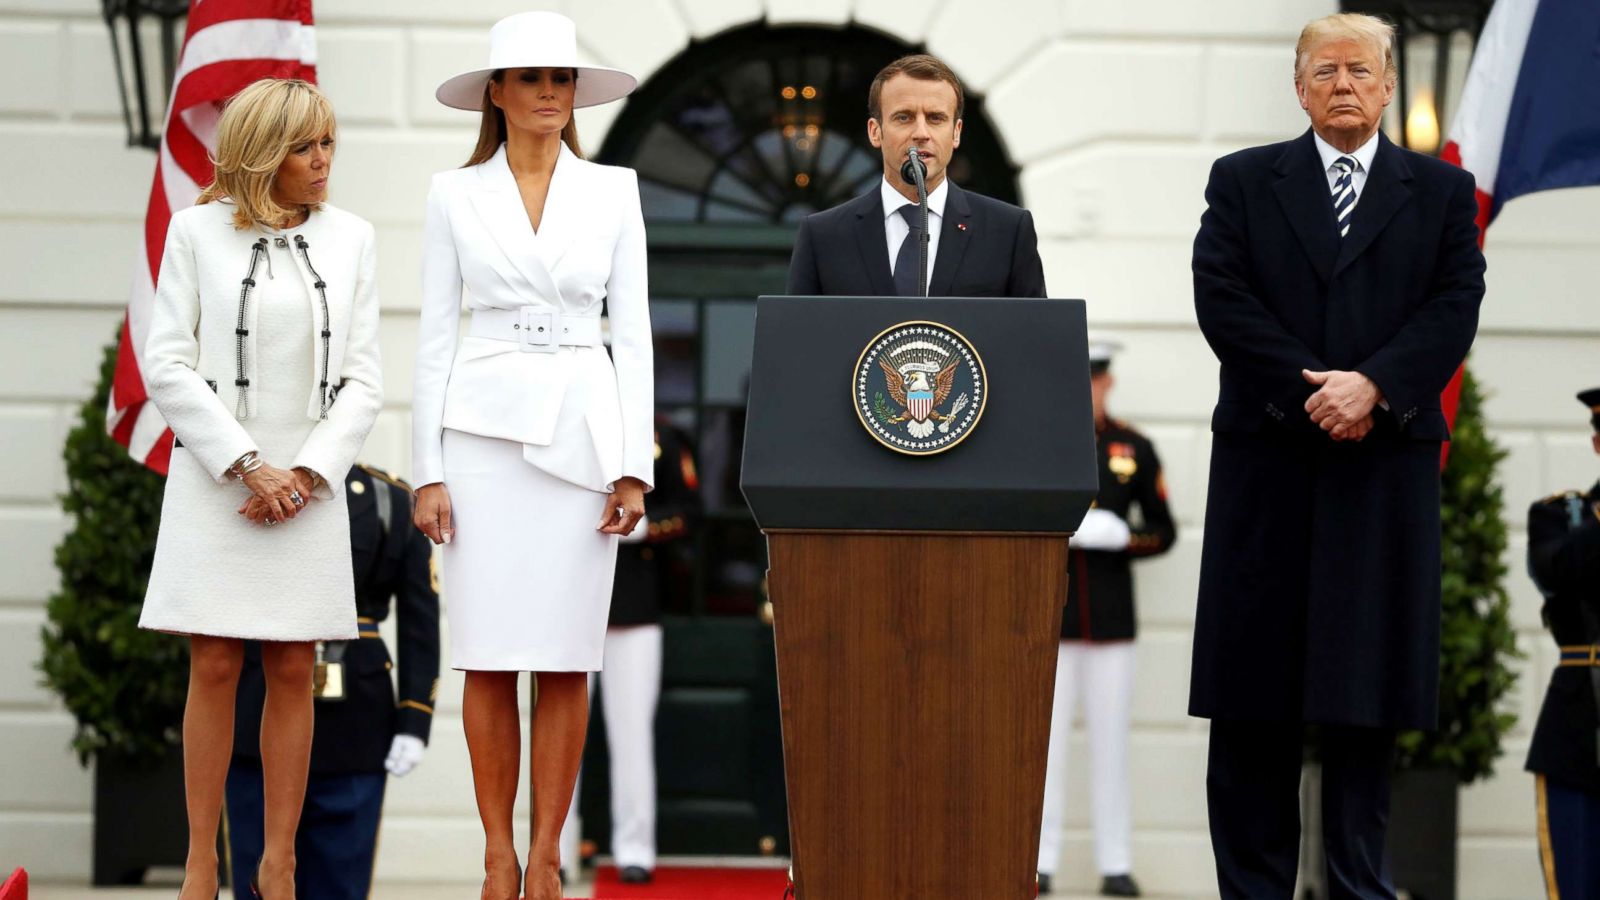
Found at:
<point>1343,403</point>
<point>273,492</point>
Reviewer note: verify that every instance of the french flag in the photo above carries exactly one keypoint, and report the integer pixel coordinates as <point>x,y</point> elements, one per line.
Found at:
<point>1530,112</point>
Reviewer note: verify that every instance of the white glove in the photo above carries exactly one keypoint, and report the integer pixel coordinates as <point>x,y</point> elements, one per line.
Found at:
<point>404,754</point>
<point>639,533</point>
<point>1101,530</point>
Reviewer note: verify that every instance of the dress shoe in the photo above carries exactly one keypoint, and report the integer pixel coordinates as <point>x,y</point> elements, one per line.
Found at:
<point>1118,886</point>
<point>635,875</point>
<point>1044,883</point>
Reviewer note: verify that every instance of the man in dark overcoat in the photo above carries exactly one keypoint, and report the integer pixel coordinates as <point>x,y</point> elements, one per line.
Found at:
<point>1337,278</point>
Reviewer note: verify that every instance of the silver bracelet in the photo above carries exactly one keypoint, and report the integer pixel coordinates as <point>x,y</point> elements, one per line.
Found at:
<point>245,464</point>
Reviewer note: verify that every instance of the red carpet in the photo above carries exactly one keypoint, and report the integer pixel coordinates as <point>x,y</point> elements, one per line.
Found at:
<point>694,883</point>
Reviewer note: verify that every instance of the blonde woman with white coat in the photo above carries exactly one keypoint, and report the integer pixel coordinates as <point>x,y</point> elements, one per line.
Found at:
<point>262,356</point>
<point>533,447</point>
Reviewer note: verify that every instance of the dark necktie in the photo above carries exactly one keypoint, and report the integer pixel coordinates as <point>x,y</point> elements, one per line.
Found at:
<point>905,262</point>
<point>1344,193</point>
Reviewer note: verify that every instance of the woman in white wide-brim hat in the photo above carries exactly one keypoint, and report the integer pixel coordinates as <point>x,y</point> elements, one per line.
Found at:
<point>533,447</point>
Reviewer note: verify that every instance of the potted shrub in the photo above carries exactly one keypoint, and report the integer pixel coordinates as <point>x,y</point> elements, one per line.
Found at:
<point>125,686</point>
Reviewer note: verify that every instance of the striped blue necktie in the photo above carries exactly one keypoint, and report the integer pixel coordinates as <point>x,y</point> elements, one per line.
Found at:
<point>1344,193</point>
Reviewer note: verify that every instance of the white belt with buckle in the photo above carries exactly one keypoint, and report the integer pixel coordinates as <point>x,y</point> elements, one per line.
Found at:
<point>536,329</point>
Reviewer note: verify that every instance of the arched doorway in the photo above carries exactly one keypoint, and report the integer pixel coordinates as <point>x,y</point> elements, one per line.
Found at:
<point>735,140</point>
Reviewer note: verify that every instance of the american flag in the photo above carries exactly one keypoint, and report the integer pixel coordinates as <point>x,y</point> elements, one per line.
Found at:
<point>228,44</point>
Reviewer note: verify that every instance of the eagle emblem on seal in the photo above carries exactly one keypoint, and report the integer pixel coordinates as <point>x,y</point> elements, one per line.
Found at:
<point>918,395</point>
<point>919,388</point>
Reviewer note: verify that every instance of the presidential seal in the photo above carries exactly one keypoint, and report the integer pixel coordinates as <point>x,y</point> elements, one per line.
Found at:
<point>919,388</point>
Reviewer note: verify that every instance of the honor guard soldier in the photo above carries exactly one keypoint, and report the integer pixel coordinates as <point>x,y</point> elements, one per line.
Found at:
<point>1097,632</point>
<point>630,683</point>
<point>362,734</point>
<point>1564,560</point>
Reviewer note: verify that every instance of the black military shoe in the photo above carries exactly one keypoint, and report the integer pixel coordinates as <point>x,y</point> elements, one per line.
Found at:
<point>635,875</point>
<point>1118,886</point>
<point>1044,883</point>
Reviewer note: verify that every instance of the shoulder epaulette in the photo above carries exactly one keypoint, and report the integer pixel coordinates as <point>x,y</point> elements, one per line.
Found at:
<point>381,475</point>
<point>1559,495</point>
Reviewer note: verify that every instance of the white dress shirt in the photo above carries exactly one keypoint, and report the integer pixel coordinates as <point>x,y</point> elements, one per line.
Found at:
<point>895,227</point>
<point>1363,156</point>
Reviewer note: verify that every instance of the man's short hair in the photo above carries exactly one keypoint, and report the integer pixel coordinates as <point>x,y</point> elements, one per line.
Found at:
<point>1375,32</point>
<point>917,65</point>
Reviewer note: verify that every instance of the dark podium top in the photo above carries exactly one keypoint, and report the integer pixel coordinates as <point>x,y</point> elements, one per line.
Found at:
<point>1028,465</point>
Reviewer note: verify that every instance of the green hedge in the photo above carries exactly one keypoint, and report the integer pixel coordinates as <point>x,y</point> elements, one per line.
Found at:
<point>125,686</point>
<point>1476,640</point>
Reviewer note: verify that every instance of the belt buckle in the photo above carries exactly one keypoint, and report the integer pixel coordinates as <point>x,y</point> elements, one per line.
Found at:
<point>536,330</point>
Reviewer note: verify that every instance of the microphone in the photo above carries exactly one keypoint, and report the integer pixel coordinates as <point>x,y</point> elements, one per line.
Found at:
<point>915,172</point>
<point>913,169</point>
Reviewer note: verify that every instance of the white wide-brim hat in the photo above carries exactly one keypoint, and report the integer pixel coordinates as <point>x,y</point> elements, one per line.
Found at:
<point>536,40</point>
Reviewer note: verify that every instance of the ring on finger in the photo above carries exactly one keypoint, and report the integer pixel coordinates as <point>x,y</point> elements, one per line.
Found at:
<point>295,498</point>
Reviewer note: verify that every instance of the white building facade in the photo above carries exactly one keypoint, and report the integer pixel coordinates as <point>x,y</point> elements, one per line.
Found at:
<point>1111,111</point>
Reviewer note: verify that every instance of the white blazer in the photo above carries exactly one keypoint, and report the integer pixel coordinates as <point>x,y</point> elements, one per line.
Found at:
<point>579,416</point>
<point>191,351</point>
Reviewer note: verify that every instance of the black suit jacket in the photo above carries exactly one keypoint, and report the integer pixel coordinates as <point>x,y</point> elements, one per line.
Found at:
<point>390,559</point>
<point>1564,560</point>
<point>1319,574</point>
<point>1100,603</point>
<point>644,569</point>
<point>987,248</point>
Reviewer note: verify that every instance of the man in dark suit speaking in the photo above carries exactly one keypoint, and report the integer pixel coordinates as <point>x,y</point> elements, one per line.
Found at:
<point>1337,278</point>
<point>977,246</point>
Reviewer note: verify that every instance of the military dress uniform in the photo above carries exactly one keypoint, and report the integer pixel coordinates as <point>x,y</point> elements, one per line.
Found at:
<point>1096,655</point>
<point>1564,560</point>
<point>630,683</point>
<point>357,712</point>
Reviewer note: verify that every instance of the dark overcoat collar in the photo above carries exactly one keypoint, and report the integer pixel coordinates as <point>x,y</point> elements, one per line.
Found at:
<point>1302,191</point>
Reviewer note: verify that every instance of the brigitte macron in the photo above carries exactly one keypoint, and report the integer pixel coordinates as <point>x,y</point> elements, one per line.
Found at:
<point>534,448</point>
<point>263,359</point>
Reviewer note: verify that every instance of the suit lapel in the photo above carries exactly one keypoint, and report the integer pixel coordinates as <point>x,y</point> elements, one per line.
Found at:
<point>560,221</point>
<point>952,241</point>
<point>499,205</point>
<point>871,242</point>
<point>1302,191</point>
<point>1385,192</point>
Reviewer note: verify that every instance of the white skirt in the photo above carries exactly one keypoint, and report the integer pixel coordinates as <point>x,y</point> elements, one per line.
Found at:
<point>528,575</point>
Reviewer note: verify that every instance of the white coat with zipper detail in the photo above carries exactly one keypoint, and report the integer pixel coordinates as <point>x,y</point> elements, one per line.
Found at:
<point>191,351</point>
<point>582,415</point>
<point>215,572</point>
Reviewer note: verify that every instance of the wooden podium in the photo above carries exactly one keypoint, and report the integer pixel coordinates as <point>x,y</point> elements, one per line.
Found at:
<point>917,599</point>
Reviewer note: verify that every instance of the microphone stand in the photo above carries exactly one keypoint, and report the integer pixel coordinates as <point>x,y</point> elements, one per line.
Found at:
<point>915,173</point>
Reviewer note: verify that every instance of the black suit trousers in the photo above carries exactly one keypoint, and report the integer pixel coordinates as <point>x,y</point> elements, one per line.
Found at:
<point>1253,796</point>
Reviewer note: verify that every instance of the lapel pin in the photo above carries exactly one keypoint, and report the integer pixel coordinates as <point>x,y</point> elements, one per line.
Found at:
<point>961,226</point>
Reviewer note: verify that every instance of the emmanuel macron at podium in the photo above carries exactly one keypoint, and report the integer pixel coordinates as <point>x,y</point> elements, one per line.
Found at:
<point>977,246</point>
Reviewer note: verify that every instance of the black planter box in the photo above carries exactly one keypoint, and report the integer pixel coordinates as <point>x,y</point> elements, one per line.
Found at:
<point>139,818</point>
<point>1423,815</point>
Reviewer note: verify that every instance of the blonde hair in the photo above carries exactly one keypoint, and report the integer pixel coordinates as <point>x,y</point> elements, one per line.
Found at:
<point>260,126</point>
<point>492,127</point>
<point>1373,31</point>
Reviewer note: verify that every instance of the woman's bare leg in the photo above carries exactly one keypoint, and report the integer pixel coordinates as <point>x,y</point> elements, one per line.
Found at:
<point>214,665</point>
<point>560,721</point>
<point>286,721</point>
<point>493,723</point>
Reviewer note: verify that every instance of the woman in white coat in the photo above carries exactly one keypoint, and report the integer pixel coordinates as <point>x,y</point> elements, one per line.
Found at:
<point>533,447</point>
<point>262,357</point>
